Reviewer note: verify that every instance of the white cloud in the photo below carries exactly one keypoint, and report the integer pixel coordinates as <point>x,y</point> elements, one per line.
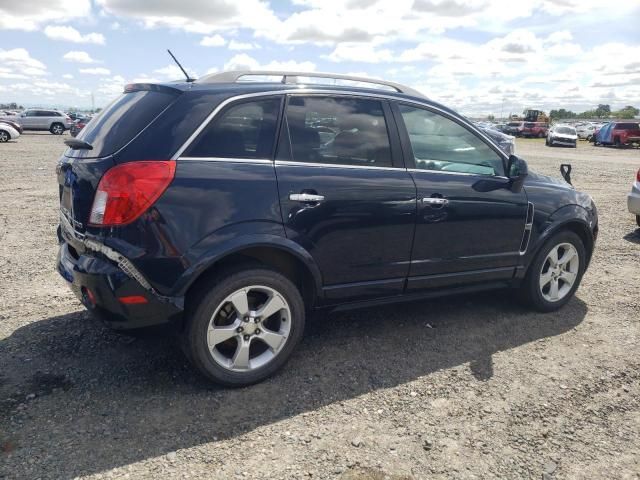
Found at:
<point>30,15</point>
<point>18,61</point>
<point>359,52</point>
<point>173,72</point>
<point>235,45</point>
<point>213,41</point>
<point>78,57</point>
<point>95,71</point>
<point>70,34</point>
<point>67,76</point>
<point>242,61</point>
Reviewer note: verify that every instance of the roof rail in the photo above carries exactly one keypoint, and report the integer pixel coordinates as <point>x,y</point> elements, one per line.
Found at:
<point>292,78</point>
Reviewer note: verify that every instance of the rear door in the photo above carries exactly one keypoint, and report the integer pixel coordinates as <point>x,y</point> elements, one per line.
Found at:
<point>345,194</point>
<point>469,225</point>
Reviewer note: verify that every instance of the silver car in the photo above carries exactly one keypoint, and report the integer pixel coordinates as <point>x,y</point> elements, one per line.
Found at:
<point>53,121</point>
<point>633,199</point>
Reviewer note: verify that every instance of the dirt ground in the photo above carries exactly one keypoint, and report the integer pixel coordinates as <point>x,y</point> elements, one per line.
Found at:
<point>471,387</point>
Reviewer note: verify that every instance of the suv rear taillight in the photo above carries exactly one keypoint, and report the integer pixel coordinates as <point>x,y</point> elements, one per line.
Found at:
<point>638,176</point>
<point>126,191</point>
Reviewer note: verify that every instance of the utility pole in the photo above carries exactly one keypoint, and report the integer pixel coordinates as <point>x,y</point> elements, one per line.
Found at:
<point>93,104</point>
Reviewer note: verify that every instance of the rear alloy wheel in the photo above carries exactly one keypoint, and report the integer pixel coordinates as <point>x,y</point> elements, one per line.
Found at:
<point>245,327</point>
<point>555,273</point>
<point>4,136</point>
<point>57,129</point>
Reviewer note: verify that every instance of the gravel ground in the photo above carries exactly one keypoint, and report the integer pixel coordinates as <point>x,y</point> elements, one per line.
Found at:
<point>473,387</point>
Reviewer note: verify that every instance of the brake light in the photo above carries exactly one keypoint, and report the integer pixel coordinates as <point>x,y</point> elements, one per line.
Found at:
<point>133,300</point>
<point>126,191</point>
<point>638,175</point>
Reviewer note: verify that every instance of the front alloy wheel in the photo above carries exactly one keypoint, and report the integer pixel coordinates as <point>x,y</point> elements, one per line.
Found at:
<point>57,129</point>
<point>559,272</point>
<point>4,136</point>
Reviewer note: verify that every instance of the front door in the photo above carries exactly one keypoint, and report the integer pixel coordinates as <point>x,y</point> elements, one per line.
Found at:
<point>345,194</point>
<point>470,224</point>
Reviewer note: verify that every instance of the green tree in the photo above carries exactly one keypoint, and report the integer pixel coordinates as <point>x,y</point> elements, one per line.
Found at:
<point>627,112</point>
<point>491,118</point>
<point>603,111</point>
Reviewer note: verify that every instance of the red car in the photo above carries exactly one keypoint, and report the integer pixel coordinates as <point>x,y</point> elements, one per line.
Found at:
<point>618,134</point>
<point>535,129</point>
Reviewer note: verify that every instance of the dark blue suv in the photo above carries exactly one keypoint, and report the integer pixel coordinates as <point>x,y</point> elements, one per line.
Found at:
<point>233,208</point>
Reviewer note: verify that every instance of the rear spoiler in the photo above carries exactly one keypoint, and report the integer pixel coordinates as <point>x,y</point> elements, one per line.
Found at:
<point>150,87</point>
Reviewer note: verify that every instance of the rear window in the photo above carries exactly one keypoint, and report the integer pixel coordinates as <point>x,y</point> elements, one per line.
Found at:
<point>627,126</point>
<point>514,124</point>
<point>119,122</point>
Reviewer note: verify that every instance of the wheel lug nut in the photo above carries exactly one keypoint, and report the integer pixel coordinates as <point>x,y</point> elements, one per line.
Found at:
<point>239,329</point>
<point>257,331</point>
<point>246,337</point>
<point>245,319</point>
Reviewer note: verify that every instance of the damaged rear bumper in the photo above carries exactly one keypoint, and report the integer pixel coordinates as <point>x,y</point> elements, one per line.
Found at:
<point>101,278</point>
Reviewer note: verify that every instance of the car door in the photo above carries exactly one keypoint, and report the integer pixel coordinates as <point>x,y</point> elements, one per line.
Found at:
<point>29,121</point>
<point>470,224</point>
<point>345,194</point>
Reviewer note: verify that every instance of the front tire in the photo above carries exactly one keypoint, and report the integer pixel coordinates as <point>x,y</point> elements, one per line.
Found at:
<point>57,129</point>
<point>244,325</point>
<point>555,273</point>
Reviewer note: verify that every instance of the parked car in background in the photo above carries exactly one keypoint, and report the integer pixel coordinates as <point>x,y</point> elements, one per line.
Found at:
<point>562,135</point>
<point>633,199</point>
<point>618,134</point>
<point>7,132</point>
<point>215,206</point>
<point>53,121</point>
<point>78,124</point>
<point>506,142</point>
<point>13,124</point>
<point>534,129</point>
<point>585,130</point>
<point>514,128</point>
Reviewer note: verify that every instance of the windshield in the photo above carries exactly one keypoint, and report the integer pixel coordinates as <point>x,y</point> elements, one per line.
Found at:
<point>566,130</point>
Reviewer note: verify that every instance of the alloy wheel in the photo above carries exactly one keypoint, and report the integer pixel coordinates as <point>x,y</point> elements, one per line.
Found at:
<point>559,272</point>
<point>249,328</point>
<point>4,137</point>
<point>57,130</point>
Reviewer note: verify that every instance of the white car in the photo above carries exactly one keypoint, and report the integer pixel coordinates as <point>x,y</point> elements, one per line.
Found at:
<point>7,132</point>
<point>562,135</point>
<point>585,130</point>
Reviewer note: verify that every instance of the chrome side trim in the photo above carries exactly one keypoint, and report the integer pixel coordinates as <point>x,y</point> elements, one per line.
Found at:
<point>288,163</point>
<point>526,235</point>
<point>442,172</point>
<point>229,160</point>
<point>315,91</point>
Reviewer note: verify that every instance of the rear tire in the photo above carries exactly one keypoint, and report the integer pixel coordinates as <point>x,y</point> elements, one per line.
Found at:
<point>4,136</point>
<point>616,142</point>
<point>549,285</point>
<point>228,341</point>
<point>638,220</point>
<point>57,129</point>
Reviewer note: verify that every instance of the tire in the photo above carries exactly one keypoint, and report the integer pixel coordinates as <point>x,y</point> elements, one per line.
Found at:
<point>4,136</point>
<point>57,128</point>
<point>638,220</point>
<point>616,142</point>
<point>546,141</point>
<point>539,297</point>
<point>541,135</point>
<point>223,362</point>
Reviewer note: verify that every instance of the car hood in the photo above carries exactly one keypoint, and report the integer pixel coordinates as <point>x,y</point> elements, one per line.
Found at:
<point>534,178</point>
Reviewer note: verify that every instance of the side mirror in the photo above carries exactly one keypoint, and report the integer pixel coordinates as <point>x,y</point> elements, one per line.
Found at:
<point>517,171</point>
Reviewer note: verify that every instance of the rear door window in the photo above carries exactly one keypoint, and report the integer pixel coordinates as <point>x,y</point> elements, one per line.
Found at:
<point>123,119</point>
<point>338,130</point>
<point>243,130</point>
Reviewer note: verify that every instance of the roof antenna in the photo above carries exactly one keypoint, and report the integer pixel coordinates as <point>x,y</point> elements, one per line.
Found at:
<point>189,79</point>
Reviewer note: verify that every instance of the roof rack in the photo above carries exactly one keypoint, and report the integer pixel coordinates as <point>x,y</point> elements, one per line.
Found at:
<point>292,78</point>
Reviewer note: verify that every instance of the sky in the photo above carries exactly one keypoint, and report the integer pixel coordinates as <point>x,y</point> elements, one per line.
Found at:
<point>479,57</point>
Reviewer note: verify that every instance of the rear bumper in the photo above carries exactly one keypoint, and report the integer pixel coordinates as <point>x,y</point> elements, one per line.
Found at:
<point>633,199</point>
<point>100,284</point>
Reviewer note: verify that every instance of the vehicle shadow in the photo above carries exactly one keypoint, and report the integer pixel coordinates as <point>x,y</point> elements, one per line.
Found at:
<point>633,237</point>
<point>104,400</point>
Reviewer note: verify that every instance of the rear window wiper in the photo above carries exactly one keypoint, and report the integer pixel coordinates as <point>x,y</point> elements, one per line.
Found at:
<point>76,144</point>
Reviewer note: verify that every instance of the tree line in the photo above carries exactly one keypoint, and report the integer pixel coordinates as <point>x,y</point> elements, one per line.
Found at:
<point>603,111</point>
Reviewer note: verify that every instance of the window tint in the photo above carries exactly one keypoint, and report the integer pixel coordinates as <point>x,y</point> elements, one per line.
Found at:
<point>44,113</point>
<point>335,130</point>
<point>439,143</point>
<point>244,130</point>
<point>32,113</point>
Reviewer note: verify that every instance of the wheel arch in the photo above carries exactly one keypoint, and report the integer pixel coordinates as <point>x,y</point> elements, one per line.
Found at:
<point>278,253</point>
